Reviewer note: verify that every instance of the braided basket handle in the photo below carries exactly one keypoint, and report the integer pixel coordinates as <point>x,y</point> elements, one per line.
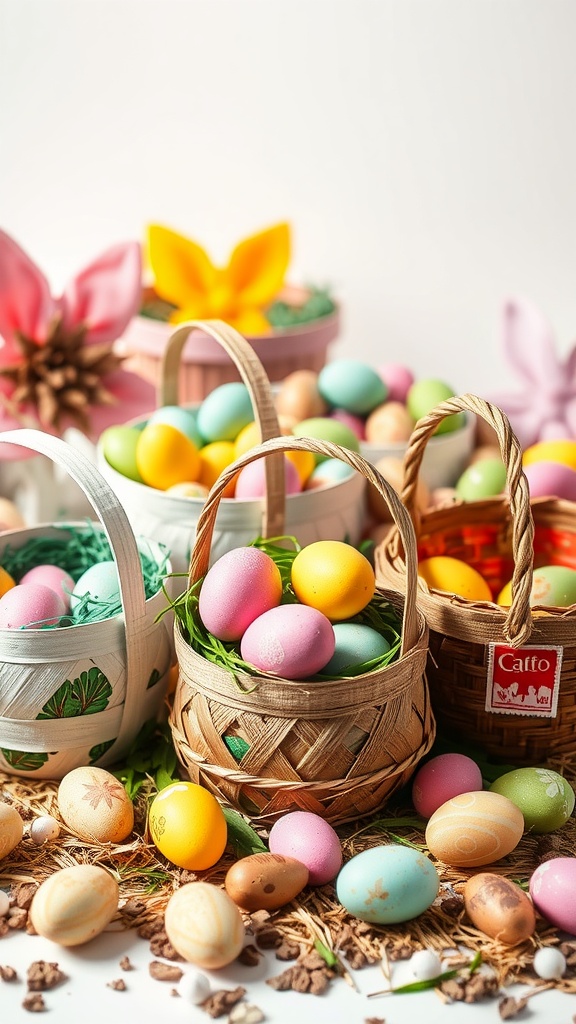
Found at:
<point>518,623</point>
<point>254,376</point>
<point>200,555</point>
<point>125,550</point>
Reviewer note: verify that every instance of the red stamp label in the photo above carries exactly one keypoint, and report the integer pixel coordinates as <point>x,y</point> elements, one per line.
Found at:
<point>523,680</point>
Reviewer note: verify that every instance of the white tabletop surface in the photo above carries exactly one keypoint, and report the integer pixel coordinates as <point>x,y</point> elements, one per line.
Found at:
<point>86,998</point>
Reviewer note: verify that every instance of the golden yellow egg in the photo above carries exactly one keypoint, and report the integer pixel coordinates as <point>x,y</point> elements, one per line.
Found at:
<point>454,577</point>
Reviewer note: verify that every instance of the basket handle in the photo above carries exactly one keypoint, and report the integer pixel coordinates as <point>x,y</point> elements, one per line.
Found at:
<point>200,555</point>
<point>254,376</point>
<point>518,623</point>
<point>123,544</point>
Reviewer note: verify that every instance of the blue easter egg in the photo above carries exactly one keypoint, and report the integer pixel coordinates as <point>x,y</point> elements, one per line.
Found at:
<point>224,412</point>
<point>355,645</point>
<point>351,385</point>
<point>387,884</point>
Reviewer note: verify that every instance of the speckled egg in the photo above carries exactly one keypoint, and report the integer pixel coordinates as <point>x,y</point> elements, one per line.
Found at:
<point>95,805</point>
<point>499,908</point>
<point>544,797</point>
<point>265,881</point>
<point>553,585</point>
<point>74,904</point>
<point>292,640</point>
<point>355,644</point>
<point>310,839</point>
<point>241,585</point>
<point>441,778</point>
<point>352,385</point>
<point>474,829</point>
<point>553,891</point>
<point>225,411</point>
<point>54,577</point>
<point>30,605</point>
<point>204,925</point>
<point>387,884</point>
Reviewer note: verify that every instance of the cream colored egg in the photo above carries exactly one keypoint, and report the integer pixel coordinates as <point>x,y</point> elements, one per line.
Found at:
<point>473,829</point>
<point>299,396</point>
<point>391,469</point>
<point>74,904</point>
<point>204,925</point>
<point>11,829</point>
<point>95,805</point>
<point>389,422</point>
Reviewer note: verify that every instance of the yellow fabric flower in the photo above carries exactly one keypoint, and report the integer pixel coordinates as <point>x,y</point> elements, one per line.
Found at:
<point>185,276</point>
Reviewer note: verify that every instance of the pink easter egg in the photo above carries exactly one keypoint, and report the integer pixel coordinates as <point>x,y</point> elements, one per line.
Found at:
<point>54,577</point>
<point>251,481</point>
<point>441,778</point>
<point>551,479</point>
<point>292,640</point>
<point>310,839</point>
<point>350,420</point>
<point>30,604</point>
<point>553,891</point>
<point>398,379</point>
<point>240,586</point>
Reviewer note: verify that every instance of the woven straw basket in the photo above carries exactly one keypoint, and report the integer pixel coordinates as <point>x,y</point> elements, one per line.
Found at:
<point>335,512</point>
<point>336,748</point>
<point>486,687</point>
<point>78,695</point>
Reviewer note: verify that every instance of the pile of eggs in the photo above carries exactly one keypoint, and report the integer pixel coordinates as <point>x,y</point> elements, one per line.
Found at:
<point>241,597</point>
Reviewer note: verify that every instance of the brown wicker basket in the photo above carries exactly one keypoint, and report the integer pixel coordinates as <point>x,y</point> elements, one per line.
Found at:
<point>479,670</point>
<point>339,748</point>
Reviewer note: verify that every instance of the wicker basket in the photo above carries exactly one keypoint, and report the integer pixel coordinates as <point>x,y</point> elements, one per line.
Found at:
<point>79,695</point>
<point>486,688</point>
<point>335,512</point>
<point>338,748</point>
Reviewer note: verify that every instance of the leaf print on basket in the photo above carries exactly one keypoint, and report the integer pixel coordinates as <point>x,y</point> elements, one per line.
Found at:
<point>88,694</point>
<point>23,760</point>
<point>98,751</point>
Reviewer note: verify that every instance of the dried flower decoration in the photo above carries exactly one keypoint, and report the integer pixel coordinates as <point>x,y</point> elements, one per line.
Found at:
<point>186,278</point>
<point>58,367</point>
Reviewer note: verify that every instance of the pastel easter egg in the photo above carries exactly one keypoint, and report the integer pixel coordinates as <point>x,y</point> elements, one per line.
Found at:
<point>474,829</point>
<point>54,577</point>
<point>398,380</point>
<point>291,640</point>
<point>225,411</point>
<point>165,456</point>
<point>553,585</point>
<point>356,644</point>
<point>483,479</point>
<point>188,489</point>
<point>424,395</point>
<point>551,479</point>
<point>30,605</point>
<point>204,925</point>
<point>553,891</point>
<point>100,582</point>
<point>499,908</point>
<point>241,585</point>
<point>334,577</point>
<point>453,576</point>
<point>389,423</point>
<point>310,839</point>
<point>299,397</point>
<point>119,449</point>
<point>325,428</point>
<point>545,798</point>
<point>560,450</point>
<point>188,826</point>
<point>184,420</point>
<point>441,778</point>
<point>387,884</point>
<point>329,471</point>
<point>95,805</point>
<point>214,458</point>
<point>351,420</point>
<point>352,385</point>
<point>251,480</point>
<point>74,904</point>
<point>265,881</point>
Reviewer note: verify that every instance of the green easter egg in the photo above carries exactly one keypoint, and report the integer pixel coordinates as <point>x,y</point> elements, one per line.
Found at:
<point>483,479</point>
<point>327,429</point>
<point>425,395</point>
<point>119,450</point>
<point>553,585</point>
<point>544,797</point>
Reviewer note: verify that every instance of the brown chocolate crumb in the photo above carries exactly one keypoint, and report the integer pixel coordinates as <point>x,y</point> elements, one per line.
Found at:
<point>174,992</point>
<point>8,973</point>
<point>164,972</point>
<point>17,918</point>
<point>151,927</point>
<point>452,905</point>
<point>4,929</point>
<point>268,938</point>
<point>42,975</point>
<point>355,958</point>
<point>472,989</point>
<point>287,950</point>
<point>125,964</point>
<point>510,1007</point>
<point>403,951</point>
<point>119,985</point>
<point>221,1001</point>
<point>160,945</point>
<point>34,1002</point>
<point>281,982</point>
<point>302,978</point>
<point>259,918</point>
<point>23,894</point>
<point>249,956</point>
<point>133,908</point>
<point>374,1020</point>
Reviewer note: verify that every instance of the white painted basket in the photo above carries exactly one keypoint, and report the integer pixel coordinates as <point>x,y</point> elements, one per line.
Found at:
<point>336,512</point>
<point>115,671</point>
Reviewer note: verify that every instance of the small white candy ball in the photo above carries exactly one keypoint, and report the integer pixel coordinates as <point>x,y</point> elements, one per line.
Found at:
<point>549,963</point>
<point>425,964</point>
<point>4,903</point>
<point>194,987</point>
<point>44,830</point>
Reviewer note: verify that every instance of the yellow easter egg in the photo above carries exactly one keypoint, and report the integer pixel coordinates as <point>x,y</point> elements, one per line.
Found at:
<point>248,437</point>
<point>505,596</point>
<point>474,829</point>
<point>333,577</point>
<point>214,457</point>
<point>188,826</point>
<point>304,462</point>
<point>165,456</point>
<point>562,450</point>
<point>6,582</point>
<point>455,577</point>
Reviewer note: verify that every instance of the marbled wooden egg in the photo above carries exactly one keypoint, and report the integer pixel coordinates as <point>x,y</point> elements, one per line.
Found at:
<point>499,908</point>
<point>265,881</point>
<point>204,925</point>
<point>74,904</point>
<point>474,829</point>
<point>95,805</point>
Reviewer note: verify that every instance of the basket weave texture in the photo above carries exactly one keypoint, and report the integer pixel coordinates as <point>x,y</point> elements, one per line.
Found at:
<point>339,748</point>
<point>504,538</point>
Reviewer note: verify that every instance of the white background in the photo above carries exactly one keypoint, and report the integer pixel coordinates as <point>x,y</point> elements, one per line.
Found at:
<point>423,151</point>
